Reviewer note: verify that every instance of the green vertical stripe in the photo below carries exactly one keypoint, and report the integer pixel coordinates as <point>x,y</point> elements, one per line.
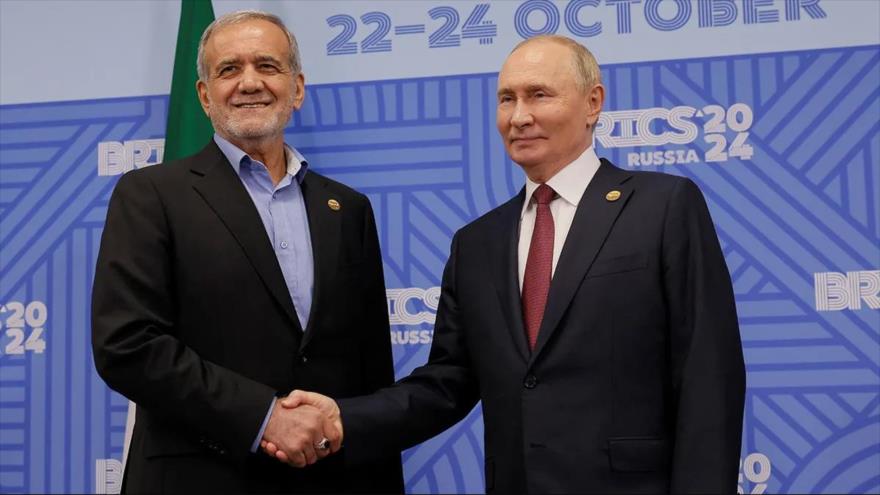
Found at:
<point>188,128</point>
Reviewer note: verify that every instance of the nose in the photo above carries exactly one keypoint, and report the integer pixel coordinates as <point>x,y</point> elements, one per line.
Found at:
<point>250,81</point>
<point>522,116</point>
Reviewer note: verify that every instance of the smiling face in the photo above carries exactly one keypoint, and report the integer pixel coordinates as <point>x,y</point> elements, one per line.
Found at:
<point>250,91</point>
<point>543,114</point>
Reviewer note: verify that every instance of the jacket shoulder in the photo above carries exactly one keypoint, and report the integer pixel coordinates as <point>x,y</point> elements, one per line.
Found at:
<point>494,220</point>
<point>160,172</point>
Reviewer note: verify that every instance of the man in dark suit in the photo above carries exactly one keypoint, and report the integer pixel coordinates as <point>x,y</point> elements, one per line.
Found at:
<point>592,314</point>
<point>231,277</point>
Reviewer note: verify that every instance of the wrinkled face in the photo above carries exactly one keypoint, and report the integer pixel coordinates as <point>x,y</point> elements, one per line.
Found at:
<point>250,92</point>
<point>542,114</point>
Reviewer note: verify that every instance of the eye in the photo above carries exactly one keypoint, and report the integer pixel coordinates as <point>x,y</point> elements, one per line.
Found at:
<point>268,68</point>
<point>226,70</point>
<point>505,99</point>
<point>540,94</point>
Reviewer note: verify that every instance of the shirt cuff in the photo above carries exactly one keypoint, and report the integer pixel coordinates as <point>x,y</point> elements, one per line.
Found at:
<point>256,443</point>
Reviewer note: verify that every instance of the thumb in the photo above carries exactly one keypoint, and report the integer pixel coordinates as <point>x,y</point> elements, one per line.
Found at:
<point>296,398</point>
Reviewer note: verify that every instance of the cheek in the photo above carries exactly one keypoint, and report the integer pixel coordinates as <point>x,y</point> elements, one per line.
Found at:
<point>502,121</point>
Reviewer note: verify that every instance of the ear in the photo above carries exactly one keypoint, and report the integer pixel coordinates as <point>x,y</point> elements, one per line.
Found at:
<point>202,92</point>
<point>595,100</point>
<point>299,90</point>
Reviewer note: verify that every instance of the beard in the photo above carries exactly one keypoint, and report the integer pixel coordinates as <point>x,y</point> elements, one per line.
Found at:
<point>253,127</point>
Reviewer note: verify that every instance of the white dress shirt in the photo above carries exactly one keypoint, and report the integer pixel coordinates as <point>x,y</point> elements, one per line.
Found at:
<point>569,184</point>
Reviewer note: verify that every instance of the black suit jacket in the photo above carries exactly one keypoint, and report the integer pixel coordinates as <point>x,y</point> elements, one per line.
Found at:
<point>636,383</point>
<point>192,320</point>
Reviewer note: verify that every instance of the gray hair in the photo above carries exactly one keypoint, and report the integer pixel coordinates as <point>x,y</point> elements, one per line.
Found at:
<point>585,65</point>
<point>239,17</point>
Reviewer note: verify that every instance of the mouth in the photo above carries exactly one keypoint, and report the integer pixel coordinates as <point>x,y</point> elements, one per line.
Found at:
<point>524,139</point>
<point>250,105</point>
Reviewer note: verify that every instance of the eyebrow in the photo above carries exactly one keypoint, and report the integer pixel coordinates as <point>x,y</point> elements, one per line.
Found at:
<point>237,60</point>
<point>228,61</point>
<point>267,58</point>
<point>531,88</point>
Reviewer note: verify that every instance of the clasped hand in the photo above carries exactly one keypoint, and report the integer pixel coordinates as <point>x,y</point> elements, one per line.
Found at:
<point>297,426</point>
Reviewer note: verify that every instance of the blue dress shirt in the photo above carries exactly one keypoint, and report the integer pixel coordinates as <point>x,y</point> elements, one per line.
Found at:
<point>283,211</point>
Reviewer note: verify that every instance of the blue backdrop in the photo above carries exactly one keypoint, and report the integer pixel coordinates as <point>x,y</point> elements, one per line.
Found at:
<point>783,140</point>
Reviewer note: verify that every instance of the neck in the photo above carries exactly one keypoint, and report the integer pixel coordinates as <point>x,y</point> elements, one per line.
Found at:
<point>268,150</point>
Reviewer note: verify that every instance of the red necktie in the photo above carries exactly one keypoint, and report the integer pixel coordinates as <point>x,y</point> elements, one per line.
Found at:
<point>539,265</point>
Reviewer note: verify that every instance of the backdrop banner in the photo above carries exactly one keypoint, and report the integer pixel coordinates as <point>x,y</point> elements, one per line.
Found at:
<point>771,106</point>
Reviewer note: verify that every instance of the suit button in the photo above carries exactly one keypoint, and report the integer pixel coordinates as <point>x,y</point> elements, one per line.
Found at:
<point>530,382</point>
<point>304,359</point>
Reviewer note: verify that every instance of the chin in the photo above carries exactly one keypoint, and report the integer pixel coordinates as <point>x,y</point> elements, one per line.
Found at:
<point>526,160</point>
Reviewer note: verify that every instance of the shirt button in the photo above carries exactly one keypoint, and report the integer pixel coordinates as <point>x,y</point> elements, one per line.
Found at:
<point>283,244</point>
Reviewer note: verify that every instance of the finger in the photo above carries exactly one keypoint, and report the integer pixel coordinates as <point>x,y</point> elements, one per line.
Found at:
<point>309,454</point>
<point>298,459</point>
<point>294,399</point>
<point>322,453</point>
<point>295,459</point>
<point>333,432</point>
<point>289,402</point>
<point>271,448</point>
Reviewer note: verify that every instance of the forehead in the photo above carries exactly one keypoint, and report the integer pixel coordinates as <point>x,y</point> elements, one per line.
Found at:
<point>538,63</point>
<point>247,38</point>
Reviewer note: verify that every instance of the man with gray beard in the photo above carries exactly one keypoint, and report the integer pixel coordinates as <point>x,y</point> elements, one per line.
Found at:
<point>229,278</point>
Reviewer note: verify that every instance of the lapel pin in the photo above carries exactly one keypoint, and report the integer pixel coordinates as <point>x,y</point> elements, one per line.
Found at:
<point>613,195</point>
<point>334,205</point>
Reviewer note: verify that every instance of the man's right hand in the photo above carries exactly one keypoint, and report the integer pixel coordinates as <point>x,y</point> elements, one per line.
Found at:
<point>330,423</point>
<point>293,434</point>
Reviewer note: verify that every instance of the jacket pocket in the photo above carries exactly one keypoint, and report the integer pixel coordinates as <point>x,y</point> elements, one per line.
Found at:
<point>638,454</point>
<point>619,264</point>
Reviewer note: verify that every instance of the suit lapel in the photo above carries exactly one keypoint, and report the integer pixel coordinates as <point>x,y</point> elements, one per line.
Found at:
<point>218,185</point>
<point>593,220</point>
<point>503,257</point>
<point>325,228</point>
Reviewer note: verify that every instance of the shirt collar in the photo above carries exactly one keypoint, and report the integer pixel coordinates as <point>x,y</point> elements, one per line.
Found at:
<point>571,181</point>
<point>296,162</point>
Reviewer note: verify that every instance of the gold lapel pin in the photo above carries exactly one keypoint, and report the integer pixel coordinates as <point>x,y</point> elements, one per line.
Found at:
<point>613,195</point>
<point>334,205</point>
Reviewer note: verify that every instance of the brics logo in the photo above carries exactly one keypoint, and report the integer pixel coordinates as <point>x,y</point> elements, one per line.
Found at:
<point>725,132</point>
<point>117,158</point>
<point>838,291</point>
<point>412,305</point>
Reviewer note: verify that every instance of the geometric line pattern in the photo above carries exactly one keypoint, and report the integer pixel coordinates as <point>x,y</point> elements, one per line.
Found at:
<point>57,415</point>
<point>427,154</point>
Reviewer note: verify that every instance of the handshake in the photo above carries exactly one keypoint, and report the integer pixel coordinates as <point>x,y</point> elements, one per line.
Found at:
<point>303,428</point>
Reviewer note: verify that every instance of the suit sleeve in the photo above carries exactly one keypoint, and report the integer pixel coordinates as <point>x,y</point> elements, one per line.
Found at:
<point>708,373</point>
<point>134,338</point>
<point>432,398</point>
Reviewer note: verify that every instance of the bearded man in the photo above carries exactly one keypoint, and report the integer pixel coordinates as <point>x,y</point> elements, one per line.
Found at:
<point>231,277</point>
